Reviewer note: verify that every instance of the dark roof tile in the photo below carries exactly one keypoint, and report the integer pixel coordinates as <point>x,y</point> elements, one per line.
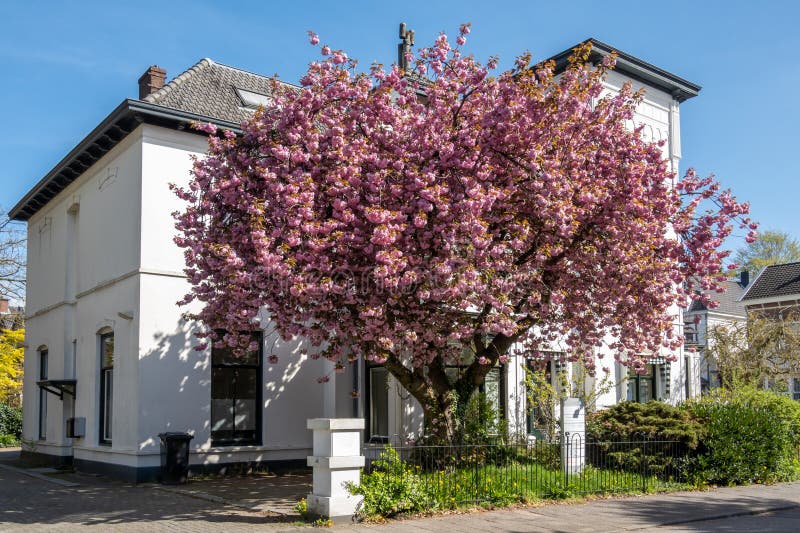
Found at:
<point>776,280</point>
<point>729,303</point>
<point>209,88</point>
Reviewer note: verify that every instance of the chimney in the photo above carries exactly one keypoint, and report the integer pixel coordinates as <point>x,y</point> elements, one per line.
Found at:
<point>151,81</point>
<point>744,278</point>
<point>3,306</point>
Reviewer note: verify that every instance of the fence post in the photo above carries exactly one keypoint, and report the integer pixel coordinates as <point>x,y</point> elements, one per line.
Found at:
<point>644,464</point>
<point>337,460</point>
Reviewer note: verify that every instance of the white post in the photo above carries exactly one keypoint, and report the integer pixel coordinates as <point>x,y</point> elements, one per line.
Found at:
<point>337,460</point>
<point>573,443</point>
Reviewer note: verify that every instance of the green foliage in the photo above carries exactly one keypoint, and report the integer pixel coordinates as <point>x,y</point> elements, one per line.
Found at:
<point>632,421</point>
<point>392,487</point>
<point>540,400</point>
<point>8,440</point>
<point>751,436</point>
<point>11,421</point>
<point>481,423</point>
<point>301,507</point>
<point>396,487</point>
<point>652,438</point>
<point>771,248</point>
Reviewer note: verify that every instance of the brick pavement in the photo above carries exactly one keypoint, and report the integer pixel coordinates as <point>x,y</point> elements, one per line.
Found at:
<point>27,503</point>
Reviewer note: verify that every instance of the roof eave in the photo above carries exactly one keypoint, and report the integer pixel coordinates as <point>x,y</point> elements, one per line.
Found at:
<point>125,118</point>
<point>637,69</point>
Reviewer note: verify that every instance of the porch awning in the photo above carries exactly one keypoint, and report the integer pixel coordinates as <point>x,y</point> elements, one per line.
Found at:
<point>59,387</point>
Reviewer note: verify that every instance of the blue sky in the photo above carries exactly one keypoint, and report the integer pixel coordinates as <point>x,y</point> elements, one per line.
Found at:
<point>66,65</point>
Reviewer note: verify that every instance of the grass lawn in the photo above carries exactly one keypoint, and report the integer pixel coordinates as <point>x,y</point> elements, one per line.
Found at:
<point>519,482</point>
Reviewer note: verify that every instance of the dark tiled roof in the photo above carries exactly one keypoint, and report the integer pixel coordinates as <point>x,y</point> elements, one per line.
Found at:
<point>636,69</point>
<point>206,92</point>
<point>209,89</point>
<point>729,303</point>
<point>776,280</point>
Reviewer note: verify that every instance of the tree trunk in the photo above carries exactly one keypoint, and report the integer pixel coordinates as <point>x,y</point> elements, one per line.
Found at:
<point>444,404</point>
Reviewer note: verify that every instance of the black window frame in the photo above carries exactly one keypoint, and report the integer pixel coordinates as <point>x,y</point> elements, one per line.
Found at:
<point>106,413</point>
<point>368,386</point>
<point>43,364</point>
<point>637,379</point>
<point>257,440</point>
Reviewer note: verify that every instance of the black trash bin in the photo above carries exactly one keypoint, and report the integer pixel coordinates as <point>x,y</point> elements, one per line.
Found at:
<point>174,457</point>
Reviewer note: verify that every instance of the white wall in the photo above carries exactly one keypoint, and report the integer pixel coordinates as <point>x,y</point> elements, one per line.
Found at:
<point>82,260</point>
<point>169,366</point>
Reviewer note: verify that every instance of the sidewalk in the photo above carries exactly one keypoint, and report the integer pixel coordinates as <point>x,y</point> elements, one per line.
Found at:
<point>692,510</point>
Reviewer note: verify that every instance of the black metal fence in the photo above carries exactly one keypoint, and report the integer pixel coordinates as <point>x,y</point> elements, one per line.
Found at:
<point>470,473</point>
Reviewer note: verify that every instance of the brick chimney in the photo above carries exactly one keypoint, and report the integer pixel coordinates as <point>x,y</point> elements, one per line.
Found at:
<point>151,81</point>
<point>3,306</point>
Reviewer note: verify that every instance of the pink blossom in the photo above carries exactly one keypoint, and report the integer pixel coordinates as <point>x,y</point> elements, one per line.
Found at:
<point>375,224</point>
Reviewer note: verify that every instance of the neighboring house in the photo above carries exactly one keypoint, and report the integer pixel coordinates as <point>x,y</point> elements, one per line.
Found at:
<point>699,320</point>
<point>11,316</point>
<point>775,294</point>
<point>109,350</point>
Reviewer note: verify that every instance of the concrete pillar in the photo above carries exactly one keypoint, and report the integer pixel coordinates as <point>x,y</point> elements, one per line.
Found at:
<point>337,460</point>
<point>573,442</point>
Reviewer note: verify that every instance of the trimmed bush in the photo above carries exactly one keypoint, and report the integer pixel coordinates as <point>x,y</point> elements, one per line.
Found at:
<point>752,436</point>
<point>647,438</point>
<point>11,421</point>
<point>632,421</point>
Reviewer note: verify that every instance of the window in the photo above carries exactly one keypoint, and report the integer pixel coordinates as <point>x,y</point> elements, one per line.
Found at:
<point>796,388</point>
<point>492,389</point>
<point>540,396</point>
<point>378,397</point>
<point>236,396</point>
<point>642,386</point>
<point>42,395</point>
<point>106,386</point>
<point>690,334</point>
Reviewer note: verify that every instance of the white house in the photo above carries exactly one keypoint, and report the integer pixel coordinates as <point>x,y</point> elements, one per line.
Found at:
<point>699,320</point>
<point>109,359</point>
<point>775,294</point>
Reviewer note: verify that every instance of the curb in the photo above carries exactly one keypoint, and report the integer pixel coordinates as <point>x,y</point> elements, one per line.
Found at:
<point>36,475</point>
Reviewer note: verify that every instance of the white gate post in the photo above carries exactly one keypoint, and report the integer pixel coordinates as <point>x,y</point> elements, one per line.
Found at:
<point>337,460</point>
<point>573,431</point>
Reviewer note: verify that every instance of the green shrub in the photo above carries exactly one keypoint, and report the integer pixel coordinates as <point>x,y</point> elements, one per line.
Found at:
<point>632,421</point>
<point>751,436</point>
<point>652,438</point>
<point>481,422</point>
<point>8,440</point>
<point>11,421</point>
<point>391,488</point>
